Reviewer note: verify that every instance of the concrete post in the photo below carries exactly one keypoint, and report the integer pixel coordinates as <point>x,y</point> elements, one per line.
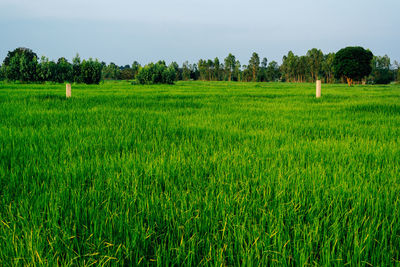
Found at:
<point>68,90</point>
<point>318,93</point>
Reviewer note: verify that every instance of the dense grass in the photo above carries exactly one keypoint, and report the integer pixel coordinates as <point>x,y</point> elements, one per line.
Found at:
<point>200,173</point>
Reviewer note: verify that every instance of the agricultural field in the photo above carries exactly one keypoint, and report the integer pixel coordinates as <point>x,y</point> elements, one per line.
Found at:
<point>199,173</point>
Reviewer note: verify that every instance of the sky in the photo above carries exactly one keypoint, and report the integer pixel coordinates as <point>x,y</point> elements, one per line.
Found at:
<point>123,31</point>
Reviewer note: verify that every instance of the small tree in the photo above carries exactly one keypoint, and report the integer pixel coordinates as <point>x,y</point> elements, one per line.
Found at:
<point>352,63</point>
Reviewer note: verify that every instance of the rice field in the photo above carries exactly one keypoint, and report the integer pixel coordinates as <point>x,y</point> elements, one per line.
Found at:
<point>199,173</point>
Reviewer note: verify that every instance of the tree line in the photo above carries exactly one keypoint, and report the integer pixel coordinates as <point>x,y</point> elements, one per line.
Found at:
<point>22,64</point>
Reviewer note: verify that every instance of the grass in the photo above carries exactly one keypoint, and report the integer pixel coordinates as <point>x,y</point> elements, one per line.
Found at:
<point>200,173</point>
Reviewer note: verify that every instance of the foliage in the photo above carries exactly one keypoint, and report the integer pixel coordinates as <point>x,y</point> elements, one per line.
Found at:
<point>64,71</point>
<point>127,74</point>
<point>135,68</point>
<point>254,66</point>
<point>76,69</point>
<point>230,66</point>
<point>111,72</point>
<point>20,65</point>
<point>91,71</point>
<point>272,72</point>
<point>398,75</point>
<point>381,70</point>
<point>178,71</point>
<point>315,59</point>
<point>186,71</point>
<point>2,75</point>
<point>157,73</point>
<point>352,63</point>
<point>327,68</point>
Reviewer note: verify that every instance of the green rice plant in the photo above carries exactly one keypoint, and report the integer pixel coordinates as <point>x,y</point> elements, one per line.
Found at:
<point>199,173</point>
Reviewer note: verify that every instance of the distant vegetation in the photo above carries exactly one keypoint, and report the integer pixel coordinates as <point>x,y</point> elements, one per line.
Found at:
<point>23,65</point>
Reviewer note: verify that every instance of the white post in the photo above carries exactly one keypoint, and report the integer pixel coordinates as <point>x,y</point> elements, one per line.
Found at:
<point>318,93</point>
<point>68,90</point>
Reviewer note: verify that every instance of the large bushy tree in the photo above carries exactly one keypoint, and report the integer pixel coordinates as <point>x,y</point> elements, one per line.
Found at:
<point>352,63</point>
<point>21,64</point>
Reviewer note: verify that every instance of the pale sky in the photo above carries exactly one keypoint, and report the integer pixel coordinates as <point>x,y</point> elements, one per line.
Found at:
<point>122,31</point>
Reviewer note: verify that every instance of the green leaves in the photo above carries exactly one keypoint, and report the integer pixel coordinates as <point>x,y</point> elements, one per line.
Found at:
<point>353,63</point>
<point>91,71</point>
<point>156,74</point>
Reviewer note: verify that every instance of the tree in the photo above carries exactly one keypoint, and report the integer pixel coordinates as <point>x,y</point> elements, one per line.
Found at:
<point>127,74</point>
<point>135,67</point>
<point>262,73</point>
<point>203,69</point>
<point>315,58</point>
<point>210,70</point>
<point>217,70</point>
<point>44,70</point>
<point>288,66</point>
<point>237,71</point>
<point>178,71</point>
<point>156,73</point>
<point>272,71</point>
<point>254,65</point>
<point>230,65</point>
<point>76,69</point>
<point>21,64</point>
<point>327,67</point>
<point>398,75</point>
<point>91,71</point>
<point>1,73</point>
<point>398,71</point>
<point>381,70</point>
<point>111,72</point>
<point>185,71</point>
<point>64,71</point>
<point>352,63</point>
